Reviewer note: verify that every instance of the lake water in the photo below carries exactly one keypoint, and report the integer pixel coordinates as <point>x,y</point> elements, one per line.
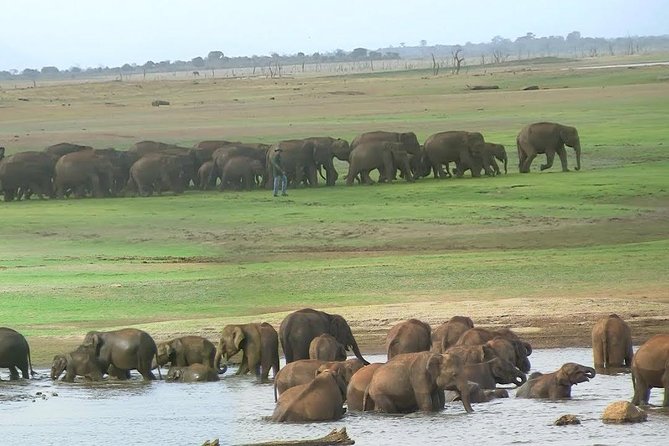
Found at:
<point>233,410</point>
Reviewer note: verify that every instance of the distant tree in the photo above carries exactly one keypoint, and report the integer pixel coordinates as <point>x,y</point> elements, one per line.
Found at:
<point>127,68</point>
<point>215,56</point>
<point>197,62</point>
<point>423,42</point>
<point>30,73</point>
<point>402,44</point>
<point>359,53</point>
<point>573,36</point>
<point>375,55</point>
<point>149,65</point>
<point>49,70</point>
<point>300,54</point>
<point>458,58</point>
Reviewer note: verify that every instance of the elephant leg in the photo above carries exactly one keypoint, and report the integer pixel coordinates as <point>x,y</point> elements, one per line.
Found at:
<point>562,153</point>
<point>244,366</point>
<point>550,156</point>
<point>13,373</point>
<point>425,402</point>
<point>382,403</point>
<point>525,166</point>
<point>665,384</point>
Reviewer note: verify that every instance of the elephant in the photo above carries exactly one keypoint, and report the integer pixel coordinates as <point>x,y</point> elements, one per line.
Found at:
<point>120,351</point>
<point>417,381</point>
<point>223,154</point>
<point>83,171</point>
<point>15,354</point>
<point>407,140</point>
<point>549,138</point>
<point>511,350</point>
<point>186,350</point>
<point>192,373</point>
<point>259,345</point>
<point>322,399</point>
<point>556,385</point>
<point>465,149</point>
<point>242,172</point>
<point>326,348</point>
<point>214,144</point>
<point>408,336</point>
<point>324,149</point>
<point>477,394</point>
<point>355,391</point>
<point>495,151</point>
<point>448,333</point>
<point>384,156</point>
<point>63,148</point>
<point>299,328</point>
<point>297,160</point>
<point>155,172</point>
<point>203,174</point>
<point>612,343</point>
<point>650,368</point>
<point>80,362</point>
<point>190,159</point>
<point>495,371</point>
<point>25,173</point>
<point>522,349</point>
<point>304,370</point>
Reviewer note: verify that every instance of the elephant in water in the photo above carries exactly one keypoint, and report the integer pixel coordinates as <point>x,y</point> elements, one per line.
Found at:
<point>304,370</point>
<point>326,348</point>
<point>79,362</point>
<point>192,373</point>
<point>408,336</point>
<point>549,138</point>
<point>612,343</point>
<point>355,391</point>
<point>185,351</point>
<point>120,351</point>
<point>448,333</point>
<point>650,368</point>
<point>15,353</point>
<point>259,344</point>
<point>556,385</point>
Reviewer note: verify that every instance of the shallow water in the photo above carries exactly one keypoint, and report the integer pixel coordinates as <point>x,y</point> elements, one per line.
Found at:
<point>161,413</point>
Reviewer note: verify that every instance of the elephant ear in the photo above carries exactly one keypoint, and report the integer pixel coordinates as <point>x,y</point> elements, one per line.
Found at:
<point>563,377</point>
<point>340,330</point>
<point>238,337</point>
<point>434,365</point>
<point>488,353</point>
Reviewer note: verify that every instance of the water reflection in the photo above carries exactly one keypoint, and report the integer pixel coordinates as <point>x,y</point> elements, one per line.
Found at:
<point>234,410</point>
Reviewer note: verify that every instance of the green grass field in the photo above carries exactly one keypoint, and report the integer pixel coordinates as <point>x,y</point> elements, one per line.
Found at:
<point>173,264</point>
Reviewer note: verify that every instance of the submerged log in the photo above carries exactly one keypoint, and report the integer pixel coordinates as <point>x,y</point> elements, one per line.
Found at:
<point>336,437</point>
<point>483,87</point>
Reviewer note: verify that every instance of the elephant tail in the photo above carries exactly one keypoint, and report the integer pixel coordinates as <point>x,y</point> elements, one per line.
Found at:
<point>365,399</point>
<point>320,172</point>
<point>160,375</point>
<point>275,398</point>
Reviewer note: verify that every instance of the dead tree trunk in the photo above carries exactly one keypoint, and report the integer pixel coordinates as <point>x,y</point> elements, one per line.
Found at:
<point>457,60</point>
<point>333,438</point>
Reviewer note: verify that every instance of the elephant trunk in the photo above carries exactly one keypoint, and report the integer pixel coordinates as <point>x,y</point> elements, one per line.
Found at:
<point>356,352</point>
<point>217,362</point>
<point>590,372</point>
<point>577,149</point>
<point>520,378</point>
<point>463,389</point>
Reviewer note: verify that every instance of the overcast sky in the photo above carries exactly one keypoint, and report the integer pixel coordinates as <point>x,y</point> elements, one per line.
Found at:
<point>90,33</point>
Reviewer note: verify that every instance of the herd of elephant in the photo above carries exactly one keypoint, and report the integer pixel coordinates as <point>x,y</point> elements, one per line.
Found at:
<point>66,169</point>
<point>425,369</point>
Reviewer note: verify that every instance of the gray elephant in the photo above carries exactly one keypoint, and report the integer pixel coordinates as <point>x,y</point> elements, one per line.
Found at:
<point>495,151</point>
<point>25,173</point>
<point>156,172</point>
<point>515,347</point>
<point>78,173</point>
<point>223,154</point>
<point>448,333</point>
<point>407,141</point>
<point>259,344</point>
<point>417,381</point>
<point>120,351</point>
<point>203,174</point>
<point>549,138</point>
<point>322,399</point>
<point>297,160</point>
<point>386,157</point>
<point>326,348</point>
<point>192,373</point>
<point>242,172</point>
<point>495,371</point>
<point>15,353</point>
<point>556,385</point>
<point>650,368</point>
<point>63,148</point>
<point>408,336</point>
<point>612,343</point>
<point>79,362</point>
<point>186,350</point>
<point>465,149</point>
<point>190,159</point>
<point>299,328</point>
<point>324,149</point>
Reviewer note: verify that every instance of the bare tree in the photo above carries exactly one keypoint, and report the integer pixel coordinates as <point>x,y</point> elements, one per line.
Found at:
<point>458,58</point>
<point>435,66</point>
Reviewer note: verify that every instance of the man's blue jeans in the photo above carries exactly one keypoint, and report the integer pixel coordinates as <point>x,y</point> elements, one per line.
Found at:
<point>284,182</point>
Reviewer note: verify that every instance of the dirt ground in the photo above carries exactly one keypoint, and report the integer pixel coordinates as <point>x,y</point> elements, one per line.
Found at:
<point>544,321</point>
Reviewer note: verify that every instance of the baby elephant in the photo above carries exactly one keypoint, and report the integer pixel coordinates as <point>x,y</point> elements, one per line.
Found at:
<point>79,362</point>
<point>320,400</point>
<point>556,385</point>
<point>326,348</point>
<point>192,373</point>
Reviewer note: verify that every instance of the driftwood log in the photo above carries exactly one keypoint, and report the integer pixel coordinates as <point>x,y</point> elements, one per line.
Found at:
<point>336,437</point>
<point>483,87</point>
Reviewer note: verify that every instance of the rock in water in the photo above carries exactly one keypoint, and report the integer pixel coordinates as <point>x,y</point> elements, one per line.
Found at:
<point>566,420</point>
<point>623,412</point>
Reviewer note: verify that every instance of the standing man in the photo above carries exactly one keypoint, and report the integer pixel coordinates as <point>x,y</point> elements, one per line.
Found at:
<point>278,172</point>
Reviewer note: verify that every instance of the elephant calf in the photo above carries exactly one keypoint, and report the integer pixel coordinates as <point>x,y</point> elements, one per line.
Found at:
<point>496,371</point>
<point>355,391</point>
<point>326,348</point>
<point>304,371</point>
<point>192,373</point>
<point>556,385</point>
<point>320,400</point>
<point>80,362</point>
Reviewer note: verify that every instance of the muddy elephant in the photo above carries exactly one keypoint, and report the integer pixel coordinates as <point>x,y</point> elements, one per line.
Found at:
<point>355,391</point>
<point>549,138</point>
<point>242,172</point>
<point>520,349</point>
<point>448,333</point>
<point>465,149</point>
<point>80,362</point>
<point>514,351</point>
<point>324,149</point>
<point>612,343</point>
<point>259,345</point>
<point>299,328</point>
<point>186,350</point>
<point>322,399</point>
<point>326,348</point>
<point>81,172</point>
<point>302,371</point>
<point>495,371</point>
<point>192,373</point>
<point>417,381</point>
<point>63,148</point>
<point>120,351</point>
<point>556,385</point>
<point>154,173</point>
<point>386,157</point>
<point>477,394</point>
<point>25,173</point>
<point>650,368</point>
<point>408,336</point>
<point>15,354</point>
